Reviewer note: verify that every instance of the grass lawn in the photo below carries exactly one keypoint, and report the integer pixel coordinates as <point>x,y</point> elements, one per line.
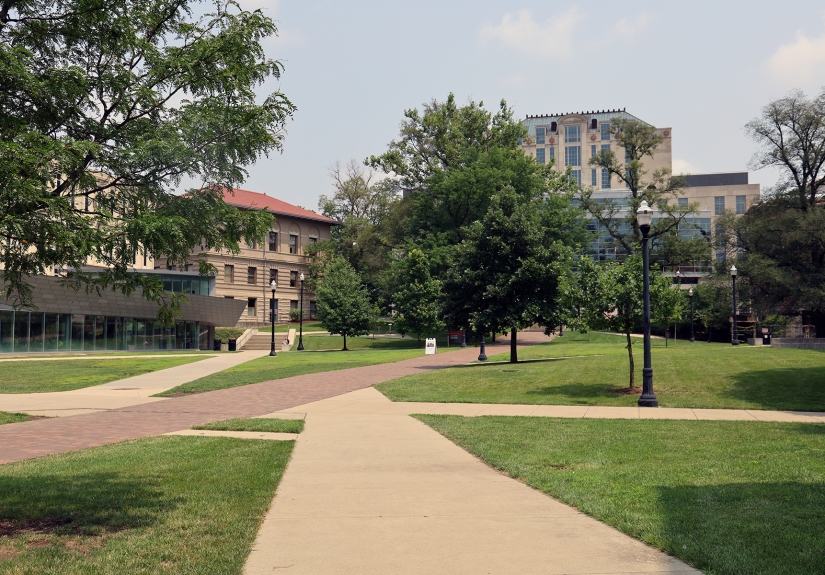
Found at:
<point>592,369</point>
<point>158,505</point>
<point>330,342</point>
<point>728,497</point>
<point>287,365</point>
<point>266,424</point>
<point>8,417</point>
<point>43,376</point>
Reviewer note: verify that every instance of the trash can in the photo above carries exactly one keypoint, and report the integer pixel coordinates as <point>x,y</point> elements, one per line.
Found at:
<point>233,344</point>
<point>216,345</point>
<point>766,336</point>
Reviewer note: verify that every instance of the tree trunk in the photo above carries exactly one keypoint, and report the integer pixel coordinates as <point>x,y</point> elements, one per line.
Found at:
<point>630,355</point>
<point>345,343</point>
<point>513,350</point>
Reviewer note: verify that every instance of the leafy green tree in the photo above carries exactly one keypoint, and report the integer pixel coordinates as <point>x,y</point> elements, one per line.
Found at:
<point>609,297</point>
<point>344,306</point>
<point>450,160</point>
<point>416,295</point>
<point>507,271</point>
<point>104,107</point>
<point>660,189</point>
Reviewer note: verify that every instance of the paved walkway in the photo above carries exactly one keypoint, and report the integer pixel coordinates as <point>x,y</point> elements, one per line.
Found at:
<point>121,393</point>
<point>376,493</point>
<point>48,436</point>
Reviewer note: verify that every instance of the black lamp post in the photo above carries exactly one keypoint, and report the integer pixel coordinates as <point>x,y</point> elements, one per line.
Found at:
<point>690,296</point>
<point>482,355</point>
<point>272,319</point>
<point>735,339</point>
<point>644,217</point>
<point>301,320</point>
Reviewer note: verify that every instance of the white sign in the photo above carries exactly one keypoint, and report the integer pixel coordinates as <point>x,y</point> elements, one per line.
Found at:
<point>430,346</point>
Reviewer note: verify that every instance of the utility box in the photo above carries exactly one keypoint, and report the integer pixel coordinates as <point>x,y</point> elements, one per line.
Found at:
<point>233,344</point>
<point>766,336</point>
<point>455,338</point>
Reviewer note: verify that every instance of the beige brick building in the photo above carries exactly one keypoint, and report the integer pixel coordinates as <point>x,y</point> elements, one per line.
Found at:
<point>247,276</point>
<point>571,139</point>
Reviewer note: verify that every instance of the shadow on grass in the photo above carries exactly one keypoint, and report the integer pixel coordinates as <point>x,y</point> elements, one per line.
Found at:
<point>737,528</point>
<point>577,390</point>
<point>78,504</point>
<point>788,389</point>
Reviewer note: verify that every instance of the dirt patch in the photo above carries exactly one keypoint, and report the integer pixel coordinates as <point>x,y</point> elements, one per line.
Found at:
<point>10,528</point>
<point>83,546</point>
<point>8,552</point>
<point>627,391</point>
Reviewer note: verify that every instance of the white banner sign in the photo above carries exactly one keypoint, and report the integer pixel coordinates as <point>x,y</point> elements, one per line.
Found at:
<point>430,346</point>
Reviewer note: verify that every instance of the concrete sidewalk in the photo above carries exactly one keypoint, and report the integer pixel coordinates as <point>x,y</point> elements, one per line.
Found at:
<point>121,393</point>
<point>381,493</point>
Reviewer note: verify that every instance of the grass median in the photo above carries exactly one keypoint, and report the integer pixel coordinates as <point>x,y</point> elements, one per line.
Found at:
<point>263,424</point>
<point>45,376</point>
<point>727,497</point>
<point>289,364</point>
<point>592,369</point>
<point>157,505</point>
<point>9,417</point>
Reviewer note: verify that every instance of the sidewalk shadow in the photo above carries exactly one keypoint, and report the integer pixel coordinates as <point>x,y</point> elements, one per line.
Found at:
<point>746,527</point>
<point>785,389</point>
<point>79,504</point>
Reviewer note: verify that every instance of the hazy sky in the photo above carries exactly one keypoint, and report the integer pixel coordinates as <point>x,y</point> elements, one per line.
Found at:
<point>702,68</point>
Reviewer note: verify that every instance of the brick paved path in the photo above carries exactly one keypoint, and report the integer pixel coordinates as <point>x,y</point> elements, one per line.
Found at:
<point>48,436</point>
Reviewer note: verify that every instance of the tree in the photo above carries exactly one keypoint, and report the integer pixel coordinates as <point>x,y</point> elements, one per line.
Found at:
<point>450,160</point>
<point>104,107</point>
<point>791,136</point>
<point>507,271</point>
<point>610,297</point>
<point>618,218</point>
<point>344,306</point>
<point>416,295</point>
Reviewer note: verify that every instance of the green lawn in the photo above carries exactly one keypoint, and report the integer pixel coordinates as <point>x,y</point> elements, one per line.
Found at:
<point>266,424</point>
<point>730,498</point>
<point>325,342</point>
<point>43,376</point>
<point>8,417</point>
<point>159,505</point>
<point>592,369</point>
<point>289,364</point>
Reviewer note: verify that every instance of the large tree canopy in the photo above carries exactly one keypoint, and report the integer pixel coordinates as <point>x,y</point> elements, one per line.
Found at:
<point>105,105</point>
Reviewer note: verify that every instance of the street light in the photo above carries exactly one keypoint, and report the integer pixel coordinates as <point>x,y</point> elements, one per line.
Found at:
<point>735,339</point>
<point>644,217</point>
<point>690,296</point>
<point>273,285</point>
<point>679,276</point>
<point>482,355</point>
<point>301,321</point>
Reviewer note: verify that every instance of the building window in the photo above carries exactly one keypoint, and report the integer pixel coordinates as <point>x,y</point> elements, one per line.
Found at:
<point>605,132</point>
<point>593,178</point>
<point>540,155</point>
<point>273,241</point>
<point>229,274</point>
<point>86,203</point>
<point>592,151</point>
<point>293,279</point>
<point>572,155</point>
<point>250,306</point>
<point>539,135</point>
<point>313,240</point>
<point>605,147</point>
<point>273,276</point>
<point>252,275</point>
<point>552,154</point>
<point>313,309</point>
<point>605,179</point>
<point>572,134</point>
<point>740,205</point>
<point>683,202</point>
<point>253,244</point>
<point>577,176</point>
<point>718,205</point>
<point>293,244</point>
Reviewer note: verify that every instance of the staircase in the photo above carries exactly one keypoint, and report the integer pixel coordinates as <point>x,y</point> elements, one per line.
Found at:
<point>261,341</point>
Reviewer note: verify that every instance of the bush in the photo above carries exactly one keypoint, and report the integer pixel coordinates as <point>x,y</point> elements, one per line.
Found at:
<point>294,314</point>
<point>226,333</point>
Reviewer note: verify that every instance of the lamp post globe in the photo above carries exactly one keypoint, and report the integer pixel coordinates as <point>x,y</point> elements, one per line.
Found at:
<point>273,285</point>
<point>301,319</point>
<point>644,217</point>
<point>735,336</point>
<point>690,296</point>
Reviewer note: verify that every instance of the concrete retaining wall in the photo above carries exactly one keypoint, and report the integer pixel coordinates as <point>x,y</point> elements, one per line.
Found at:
<point>799,342</point>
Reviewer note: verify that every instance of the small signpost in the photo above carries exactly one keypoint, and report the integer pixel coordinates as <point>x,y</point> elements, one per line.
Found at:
<point>430,347</point>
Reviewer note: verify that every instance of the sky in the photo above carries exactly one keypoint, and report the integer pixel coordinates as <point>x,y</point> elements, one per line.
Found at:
<point>702,68</point>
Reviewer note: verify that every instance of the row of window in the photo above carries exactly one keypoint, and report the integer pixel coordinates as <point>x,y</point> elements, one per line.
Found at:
<point>572,134</point>
<point>719,205</point>
<point>252,275</point>
<point>24,332</point>
<point>272,241</point>
<point>252,307</point>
